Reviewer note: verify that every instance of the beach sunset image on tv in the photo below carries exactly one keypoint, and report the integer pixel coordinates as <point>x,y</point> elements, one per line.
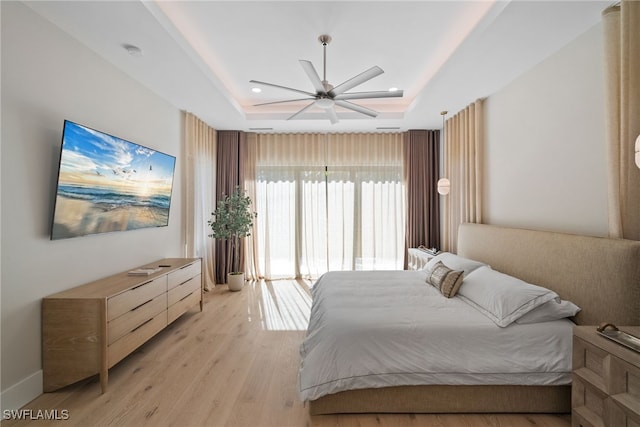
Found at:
<point>108,184</point>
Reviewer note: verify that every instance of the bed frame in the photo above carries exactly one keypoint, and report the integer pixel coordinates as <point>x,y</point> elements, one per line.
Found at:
<point>600,275</point>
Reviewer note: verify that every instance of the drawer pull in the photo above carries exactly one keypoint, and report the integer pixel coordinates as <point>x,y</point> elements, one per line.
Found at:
<point>141,285</point>
<point>184,298</point>
<point>141,325</point>
<point>144,303</point>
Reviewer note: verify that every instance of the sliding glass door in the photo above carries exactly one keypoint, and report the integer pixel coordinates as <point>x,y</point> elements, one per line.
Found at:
<point>312,219</point>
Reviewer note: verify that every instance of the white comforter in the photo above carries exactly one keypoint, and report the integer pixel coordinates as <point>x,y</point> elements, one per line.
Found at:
<point>390,328</point>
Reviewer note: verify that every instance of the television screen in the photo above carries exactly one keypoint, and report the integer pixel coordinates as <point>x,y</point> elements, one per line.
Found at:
<point>108,184</point>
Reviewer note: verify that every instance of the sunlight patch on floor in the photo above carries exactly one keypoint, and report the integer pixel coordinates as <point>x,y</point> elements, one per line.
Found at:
<point>281,305</point>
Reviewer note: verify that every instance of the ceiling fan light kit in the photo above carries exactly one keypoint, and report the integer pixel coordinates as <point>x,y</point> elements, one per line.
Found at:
<point>325,103</point>
<point>327,96</point>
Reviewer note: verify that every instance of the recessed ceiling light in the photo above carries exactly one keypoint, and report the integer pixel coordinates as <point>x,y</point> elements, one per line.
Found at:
<point>133,50</point>
<point>256,90</point>
<point>393,89</point>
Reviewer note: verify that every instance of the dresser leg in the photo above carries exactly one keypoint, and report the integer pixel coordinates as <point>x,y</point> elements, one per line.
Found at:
<point>104,378</point>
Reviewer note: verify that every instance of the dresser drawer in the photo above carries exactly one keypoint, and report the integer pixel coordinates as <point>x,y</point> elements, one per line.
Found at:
<point>130,320</point>
<point>182,290</point>
<point>135,338</point>
<point>179,308</point>
<point>185,273</point>
<point>124,302</point>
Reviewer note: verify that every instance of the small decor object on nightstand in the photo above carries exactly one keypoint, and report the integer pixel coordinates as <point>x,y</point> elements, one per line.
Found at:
<point>611,331</point>
<point>431,251</point>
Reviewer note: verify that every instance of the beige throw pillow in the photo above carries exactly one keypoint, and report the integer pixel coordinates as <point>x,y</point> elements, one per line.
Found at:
<point>446,280</point>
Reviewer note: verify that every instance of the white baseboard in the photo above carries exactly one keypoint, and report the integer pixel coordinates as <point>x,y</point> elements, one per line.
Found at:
<point>18,395</point>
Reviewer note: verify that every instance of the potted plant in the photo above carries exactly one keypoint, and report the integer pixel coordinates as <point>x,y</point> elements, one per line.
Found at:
<point>232,220</point>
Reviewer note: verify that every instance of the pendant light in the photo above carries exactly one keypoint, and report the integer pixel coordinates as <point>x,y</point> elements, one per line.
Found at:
<point>638,151</point>
<point>444,186</point>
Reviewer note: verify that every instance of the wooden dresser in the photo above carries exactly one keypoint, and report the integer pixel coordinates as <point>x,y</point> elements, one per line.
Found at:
<point>88,329</point>
<point>606,380</point>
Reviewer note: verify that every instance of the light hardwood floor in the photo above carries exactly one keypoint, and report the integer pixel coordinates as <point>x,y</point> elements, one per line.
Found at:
<point>234,364</point>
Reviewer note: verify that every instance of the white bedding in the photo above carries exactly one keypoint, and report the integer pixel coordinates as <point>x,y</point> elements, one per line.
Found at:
<point>390,328</point>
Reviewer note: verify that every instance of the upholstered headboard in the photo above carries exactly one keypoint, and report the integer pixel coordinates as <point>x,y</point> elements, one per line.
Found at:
<point>600,275</point>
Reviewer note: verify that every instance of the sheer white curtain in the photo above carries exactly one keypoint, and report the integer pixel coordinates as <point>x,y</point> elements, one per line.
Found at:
<point>289,199</point>
<point>199,200</point>
<point>328,202</point>
<point>366,200</point>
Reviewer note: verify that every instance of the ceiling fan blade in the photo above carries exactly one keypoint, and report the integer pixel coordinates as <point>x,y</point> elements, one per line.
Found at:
<point>308,68</point>
<point>333,117</point>
<point>280,102</point>
<point>359,108</point>
<point>357,80</point>
<point>282,87</point>
<point>301,111</point>
<point>365,95</point>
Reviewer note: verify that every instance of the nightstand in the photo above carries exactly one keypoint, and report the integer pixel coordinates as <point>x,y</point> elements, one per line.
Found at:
<point>418,259</point>
<point>606,380</point>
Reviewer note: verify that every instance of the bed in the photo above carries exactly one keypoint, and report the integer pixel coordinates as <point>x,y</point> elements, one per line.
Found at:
<point>602,276</point>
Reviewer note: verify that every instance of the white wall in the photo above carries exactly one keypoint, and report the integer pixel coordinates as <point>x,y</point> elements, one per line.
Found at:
<point>545,148</point>
<point>48,77</point>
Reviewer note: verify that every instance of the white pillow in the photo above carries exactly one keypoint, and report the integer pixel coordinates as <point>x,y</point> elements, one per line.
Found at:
<point>454,262</point>
<point>500,297</point>
<point>550,310</point>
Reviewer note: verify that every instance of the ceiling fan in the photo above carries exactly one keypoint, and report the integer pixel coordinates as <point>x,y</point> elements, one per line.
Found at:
<point>327,96</point>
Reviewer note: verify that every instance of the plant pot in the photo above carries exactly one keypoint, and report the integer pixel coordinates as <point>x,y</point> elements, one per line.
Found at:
<point>235,281</point>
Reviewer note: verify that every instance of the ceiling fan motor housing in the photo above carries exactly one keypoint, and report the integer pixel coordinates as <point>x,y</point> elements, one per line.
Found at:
<point>324,39</point>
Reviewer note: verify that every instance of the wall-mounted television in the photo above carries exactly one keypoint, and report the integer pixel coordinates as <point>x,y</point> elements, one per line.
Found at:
<point>107,184</point>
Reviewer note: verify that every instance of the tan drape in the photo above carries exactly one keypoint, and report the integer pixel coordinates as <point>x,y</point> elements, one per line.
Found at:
<point>199,199</point>
<point>364,149</point>
<point>421,171</point>
<point>621,26</point>
<point>463,165</point>
<point>252,267</point>
<point>316,149</point>
<point>231,151</point>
